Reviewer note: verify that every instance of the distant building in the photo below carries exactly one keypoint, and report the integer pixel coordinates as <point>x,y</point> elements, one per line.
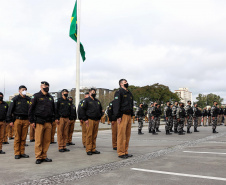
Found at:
<point>184,94</point>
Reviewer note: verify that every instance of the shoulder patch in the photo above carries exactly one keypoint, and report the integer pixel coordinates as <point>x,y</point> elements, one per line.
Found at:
<point>116,97</point>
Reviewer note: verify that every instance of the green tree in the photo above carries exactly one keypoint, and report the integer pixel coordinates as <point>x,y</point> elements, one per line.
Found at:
<point>207,100</point>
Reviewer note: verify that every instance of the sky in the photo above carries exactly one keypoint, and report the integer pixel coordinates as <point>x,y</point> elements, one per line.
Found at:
<point>178,43</point>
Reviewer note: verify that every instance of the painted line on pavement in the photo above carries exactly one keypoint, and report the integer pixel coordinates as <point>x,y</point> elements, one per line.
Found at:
<point>205,152</point>
<point>180,174</point>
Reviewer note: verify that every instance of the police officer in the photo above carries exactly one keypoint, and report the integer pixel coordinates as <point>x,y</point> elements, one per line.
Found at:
<point>155,115</point>
<point>113,120</point>
<point>180,115</point>
<point>214,115</point>
<point>41,116</point>
<point>209,116</point>
<point>171,119</point>
<point>140,117</point>
<point>91,113</point>
<point>158,112</point>
<point>195,116</point>
<point>62,114</point>
<point>19,107</point>
<point>72,119</point>
<point>82,123</point>
<point>168,115</point>
<point>123,110</point>
<point>204,115</point>
<point>3,112</point>
<point>189,115</point>
<point>150,118</point>
<point>174,115</point>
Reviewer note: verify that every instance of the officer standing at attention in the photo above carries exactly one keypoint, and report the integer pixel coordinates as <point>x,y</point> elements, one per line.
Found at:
<point>168,114</point>
<point>18,108</point>
<point>158,113</point>
<point>123,110</point>
<point>62,113</point>
<point>180,117</point>
<point>3,112</point>
<point>150,118</point>
<point>113,121</point>
<point>209,116</point>
<point>171,119</point>
<point>91,113</point>
<point>154,118</point>
<point>214,114</point>
<point>41,116</point>
<point>72,119</point>
<point>174,115</point>
<point>189,115</point>
<point>195,116</point>
<point>140,117</point>
<point>82,123</point>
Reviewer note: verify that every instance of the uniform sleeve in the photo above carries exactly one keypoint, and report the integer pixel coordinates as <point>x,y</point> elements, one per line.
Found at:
<point>31,111</point>
<point>9,117</point>
<point>194,112</point>
<point>57,105</point>
<point>83,109</point>
<point>54,109</point>
<point>73,113</point>
<point>178,113</point>
<point>117,103</point>
<point>101,112</point>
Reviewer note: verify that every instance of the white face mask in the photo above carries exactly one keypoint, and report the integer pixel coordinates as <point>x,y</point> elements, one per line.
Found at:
<point>24,92</point>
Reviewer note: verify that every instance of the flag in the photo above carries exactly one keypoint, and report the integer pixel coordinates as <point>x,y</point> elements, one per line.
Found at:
<point>73,31</point>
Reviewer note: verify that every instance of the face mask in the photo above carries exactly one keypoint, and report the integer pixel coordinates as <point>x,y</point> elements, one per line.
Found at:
<point>126,85</point>
<point>46,89</point>
<point>1,98</point>
<point>65,95</point>
<point>93,95</point>
<point>182,106</point>
<point>24,92</point>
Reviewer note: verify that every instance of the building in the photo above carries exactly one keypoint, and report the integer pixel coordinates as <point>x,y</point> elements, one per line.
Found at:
<point>184,94</point>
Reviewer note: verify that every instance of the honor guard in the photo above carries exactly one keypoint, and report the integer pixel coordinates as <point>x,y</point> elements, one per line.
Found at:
<point>174,115</point>
<point>18,108</point>
<point>214,115</point>
<point>41,116</point>
<point>180,115</point>
<point>140,117</point>
<point>3,112</point>
<point>189,115</point>
<point>168,115</point>
<point>195,116</point>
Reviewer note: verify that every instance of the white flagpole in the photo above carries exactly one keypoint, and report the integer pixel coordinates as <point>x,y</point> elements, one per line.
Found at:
<point>77,94</point>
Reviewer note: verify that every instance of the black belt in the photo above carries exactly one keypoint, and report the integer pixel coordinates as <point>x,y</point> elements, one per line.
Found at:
<point>22,117</point>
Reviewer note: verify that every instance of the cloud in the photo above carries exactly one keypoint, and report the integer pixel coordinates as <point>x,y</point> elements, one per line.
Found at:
<point>173,42</point>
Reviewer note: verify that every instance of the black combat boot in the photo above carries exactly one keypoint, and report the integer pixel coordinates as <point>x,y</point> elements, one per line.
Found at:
<point>214,131</point>
<point>188,131</point>
<point>157,130</point>
<point>171,130</point>
<point>168,132</point>
<point>175,130</point>
<point>150,131</point>
<point>181,132</point>
<point>195,130</point>
<point>153,132</point>
<point>139,132</point>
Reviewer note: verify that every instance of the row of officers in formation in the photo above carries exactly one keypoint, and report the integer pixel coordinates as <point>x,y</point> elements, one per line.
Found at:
<point>43,116</point>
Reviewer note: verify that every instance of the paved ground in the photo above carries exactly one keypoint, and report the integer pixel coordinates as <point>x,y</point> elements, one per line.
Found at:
<point>157,160</point>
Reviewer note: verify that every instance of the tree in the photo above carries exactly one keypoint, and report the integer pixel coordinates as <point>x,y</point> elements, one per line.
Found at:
<point>207,100</point>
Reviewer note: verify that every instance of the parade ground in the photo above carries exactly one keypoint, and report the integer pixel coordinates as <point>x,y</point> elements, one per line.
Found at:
<point>197,158</point>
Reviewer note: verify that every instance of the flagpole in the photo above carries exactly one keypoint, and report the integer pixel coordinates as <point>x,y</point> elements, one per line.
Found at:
<point>77,94</point>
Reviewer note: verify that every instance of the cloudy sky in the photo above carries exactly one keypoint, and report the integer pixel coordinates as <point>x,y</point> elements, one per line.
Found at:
<point>179,43</point>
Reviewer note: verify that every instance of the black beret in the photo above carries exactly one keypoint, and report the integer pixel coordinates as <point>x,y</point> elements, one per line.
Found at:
<point>22,86</point>
<point>45,83</point>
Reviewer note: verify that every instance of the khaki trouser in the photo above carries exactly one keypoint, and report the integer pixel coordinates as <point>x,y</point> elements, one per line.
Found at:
<point>32,133</point>
<point>225,120</point>
<point>91,135</point>
<point>103,119</point>
<point>199,121</point>
<point>11,132</point>
<point>108,120</point>
<point>133,119</point>
<point>42,140</point>
<point>146,119</point>
<point>53,131</point>
<point>219,119</point>
<point>204,121</point>
<point>209,120</point>
<point>71,130</point>
<point>5,139</point>
<point>83,132</point>
<point>2,131</point>
<point>124,132</point>
<point>114,133</point>
<point>62,133</point>
<point>20,129</point>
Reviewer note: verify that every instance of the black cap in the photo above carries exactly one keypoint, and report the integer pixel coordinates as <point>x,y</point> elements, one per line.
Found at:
<point>45,83</point>
<point>1,93</point>
<point>87,93</point>
<point>64,90</point>
<point>22,86</point>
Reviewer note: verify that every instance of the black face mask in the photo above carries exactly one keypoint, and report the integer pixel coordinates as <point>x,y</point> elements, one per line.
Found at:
<point>46,89</point>
<point>1,98</point>
<point>65,95</point>
<point>126,85</point>
<point>182,105</point>
<point>93,95</point>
